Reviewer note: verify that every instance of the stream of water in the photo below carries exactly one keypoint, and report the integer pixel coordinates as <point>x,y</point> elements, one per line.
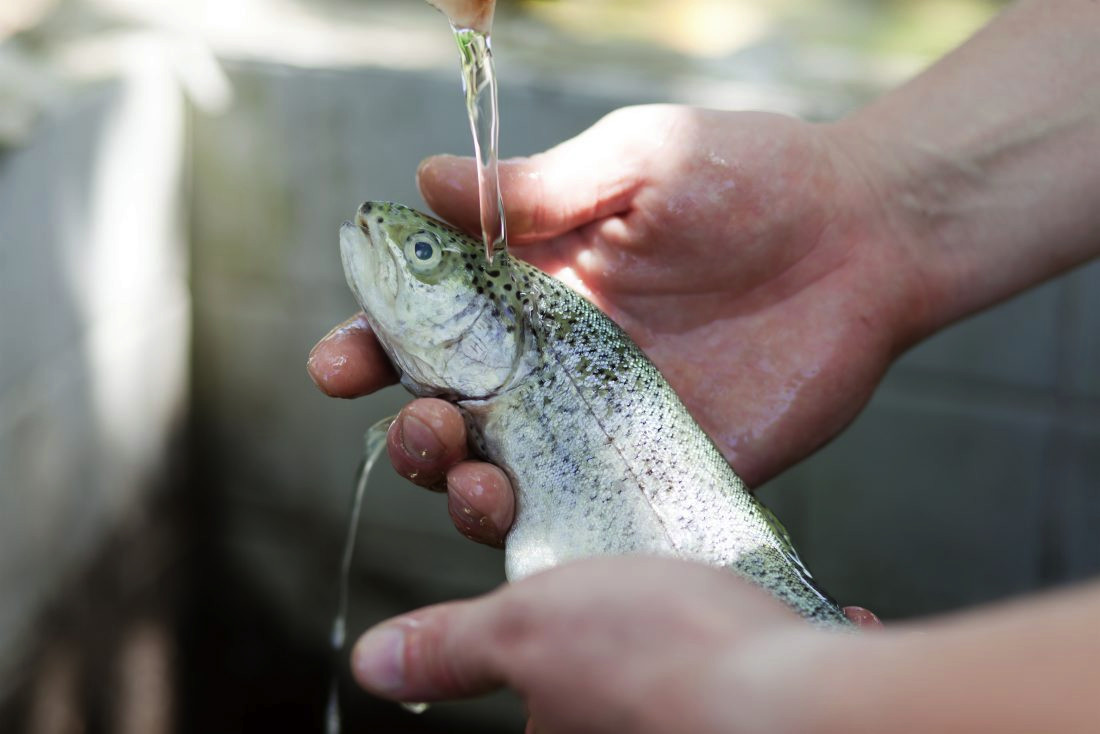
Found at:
<point>479,82</point>
<point>374,444</point>
<point>480,86</point>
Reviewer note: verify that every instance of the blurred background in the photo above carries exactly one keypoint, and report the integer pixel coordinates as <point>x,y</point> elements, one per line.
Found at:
<point>174,490</point>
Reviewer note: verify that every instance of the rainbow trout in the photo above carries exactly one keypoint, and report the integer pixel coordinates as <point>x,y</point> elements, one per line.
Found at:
<point>602,454</point>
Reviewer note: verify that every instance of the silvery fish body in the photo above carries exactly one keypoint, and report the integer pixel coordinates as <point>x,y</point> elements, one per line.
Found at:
<point>602,454</point>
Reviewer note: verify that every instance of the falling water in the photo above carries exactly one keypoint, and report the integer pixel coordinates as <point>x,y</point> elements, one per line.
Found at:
<point>374,443</point>
<point>480,85</point>
<point>479,81</point>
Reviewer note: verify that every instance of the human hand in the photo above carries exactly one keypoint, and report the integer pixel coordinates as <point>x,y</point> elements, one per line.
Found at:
<point>634,643</point>
<point>656,645</point>
<point>746,254</point>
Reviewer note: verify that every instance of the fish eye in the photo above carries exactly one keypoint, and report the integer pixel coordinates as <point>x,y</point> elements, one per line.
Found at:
<point>423,251</point>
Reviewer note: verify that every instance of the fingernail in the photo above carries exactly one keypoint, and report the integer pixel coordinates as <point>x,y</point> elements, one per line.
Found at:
<point>323,370</point>
<point>442,159</point>
<point>313,365</point>
<point>472,487</point>
<point>379,659</point>
<point>475,526</point>
<point>358,322</point>
<point>419,440</point>
<point>451,171</point>
<point>468,519</point>
<point>862,617</point>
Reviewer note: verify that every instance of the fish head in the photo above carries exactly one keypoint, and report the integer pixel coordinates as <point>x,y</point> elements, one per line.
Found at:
<point>452,324</point>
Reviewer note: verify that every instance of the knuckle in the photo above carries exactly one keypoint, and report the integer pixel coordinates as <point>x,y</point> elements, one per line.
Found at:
<point>434,666</point>
<point>517,623</point>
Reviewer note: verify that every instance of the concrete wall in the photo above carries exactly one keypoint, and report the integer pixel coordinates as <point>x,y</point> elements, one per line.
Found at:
<point>974,474</point>
<point>94,326</point>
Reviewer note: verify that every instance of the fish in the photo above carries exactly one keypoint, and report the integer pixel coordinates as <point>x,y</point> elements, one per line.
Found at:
<point>603,456</point>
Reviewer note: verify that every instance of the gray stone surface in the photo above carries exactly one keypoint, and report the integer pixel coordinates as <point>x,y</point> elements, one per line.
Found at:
<point>926,503</point>
<point>1075,504</point>
<point>982,348</point>
<point>972,475</point>
<point>94,318</point>
<point>1082,335</point>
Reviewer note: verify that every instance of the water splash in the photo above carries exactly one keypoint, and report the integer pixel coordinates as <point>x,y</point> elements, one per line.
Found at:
<point>374,442</point>
<point>479,82</point>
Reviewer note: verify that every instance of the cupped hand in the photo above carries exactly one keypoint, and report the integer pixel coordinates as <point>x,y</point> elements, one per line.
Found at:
<point>749,255</point>
<point>636,644</point>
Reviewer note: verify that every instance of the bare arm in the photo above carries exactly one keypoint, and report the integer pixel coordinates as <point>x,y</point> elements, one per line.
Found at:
<point>1031,666</point>
<point>989,162</point>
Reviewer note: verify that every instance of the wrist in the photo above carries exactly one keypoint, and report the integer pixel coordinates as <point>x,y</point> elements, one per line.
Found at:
<point>934,212</point>
<point>1027,666</point>
<point>791,681</point>
<point>984,166</point>
<point>872,181</point>
<point>838,682</point>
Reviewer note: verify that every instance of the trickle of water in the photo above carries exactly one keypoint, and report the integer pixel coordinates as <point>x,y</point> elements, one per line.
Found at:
<point>479,82</point>
<point>374,443</point>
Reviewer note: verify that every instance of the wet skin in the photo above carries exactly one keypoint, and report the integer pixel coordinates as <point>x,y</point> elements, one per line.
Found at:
<point>735,248</point>
<point>858,239</point>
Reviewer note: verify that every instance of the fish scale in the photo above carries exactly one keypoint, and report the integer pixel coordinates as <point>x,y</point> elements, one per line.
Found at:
<point>602,454</point>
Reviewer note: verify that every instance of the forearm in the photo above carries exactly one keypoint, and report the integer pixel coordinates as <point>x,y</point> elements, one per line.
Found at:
<point>988,164</point>
<point>1029,667</point>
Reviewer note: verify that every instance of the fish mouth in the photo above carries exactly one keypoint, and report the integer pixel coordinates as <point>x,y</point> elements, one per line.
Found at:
<point>370,264</point>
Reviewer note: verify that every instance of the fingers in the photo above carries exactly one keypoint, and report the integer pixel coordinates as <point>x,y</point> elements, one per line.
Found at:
<point>861,617</point>
<point>446,651</point>
<point>427,445</point>
<point>427,439</point>
<point>481,502</point>
<point>592,176</point>
<point>349,362</point>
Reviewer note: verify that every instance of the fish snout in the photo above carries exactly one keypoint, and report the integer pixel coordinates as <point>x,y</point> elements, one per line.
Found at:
<point>362,216</point>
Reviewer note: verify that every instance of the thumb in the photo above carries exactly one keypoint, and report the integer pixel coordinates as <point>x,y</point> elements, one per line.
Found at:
<point>589,177</point>
<point>442,652</point>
